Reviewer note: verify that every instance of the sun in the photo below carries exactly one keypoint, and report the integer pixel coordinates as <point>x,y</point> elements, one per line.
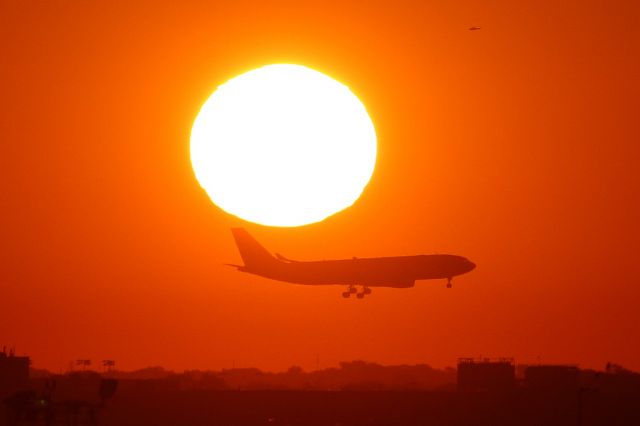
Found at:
<point>283,145</point>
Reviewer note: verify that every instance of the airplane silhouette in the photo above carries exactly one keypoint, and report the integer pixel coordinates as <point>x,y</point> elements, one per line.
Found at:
<point>396,272</point>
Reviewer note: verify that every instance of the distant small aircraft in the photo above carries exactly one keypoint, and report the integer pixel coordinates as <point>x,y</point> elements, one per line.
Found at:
<point>396,272</point>
<point>474,28</point>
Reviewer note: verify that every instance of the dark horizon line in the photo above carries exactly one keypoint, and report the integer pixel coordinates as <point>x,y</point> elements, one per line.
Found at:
<point>341,366</point>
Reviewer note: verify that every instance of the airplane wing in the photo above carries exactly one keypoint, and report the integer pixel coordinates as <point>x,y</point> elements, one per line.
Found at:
<point>396,284</point>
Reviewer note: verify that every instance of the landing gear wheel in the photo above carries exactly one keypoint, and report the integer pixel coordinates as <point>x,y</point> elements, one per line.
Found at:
<point>346,294</point>
<point>360,295</point>
<point>366,290</point>
<point>352,289</point>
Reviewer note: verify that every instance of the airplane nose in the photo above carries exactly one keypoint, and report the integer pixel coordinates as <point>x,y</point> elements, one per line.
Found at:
<point>471,265</point>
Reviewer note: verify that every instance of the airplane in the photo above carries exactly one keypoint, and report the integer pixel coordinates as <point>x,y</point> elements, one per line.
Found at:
<point>396,272</point>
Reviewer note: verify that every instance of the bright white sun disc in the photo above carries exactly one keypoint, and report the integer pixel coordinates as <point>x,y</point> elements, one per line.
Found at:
<point>283,145</point>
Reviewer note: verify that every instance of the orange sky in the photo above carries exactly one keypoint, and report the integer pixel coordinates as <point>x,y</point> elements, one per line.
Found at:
<point>517,146</point>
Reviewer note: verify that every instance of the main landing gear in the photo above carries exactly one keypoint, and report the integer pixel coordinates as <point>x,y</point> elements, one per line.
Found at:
<point>353,290</point>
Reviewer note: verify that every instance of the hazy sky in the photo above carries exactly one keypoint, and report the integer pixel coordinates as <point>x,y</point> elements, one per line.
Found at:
<point>516,146</point>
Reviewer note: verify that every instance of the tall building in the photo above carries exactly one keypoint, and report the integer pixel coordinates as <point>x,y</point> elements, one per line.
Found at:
<point>486,374</point>
<point>14,372</point>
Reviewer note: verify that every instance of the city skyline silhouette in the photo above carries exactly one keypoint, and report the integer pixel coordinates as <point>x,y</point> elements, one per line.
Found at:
<point>514,146</point>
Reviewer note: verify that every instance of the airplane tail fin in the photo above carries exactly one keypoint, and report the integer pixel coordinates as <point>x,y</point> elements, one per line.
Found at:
<point>253,254</point>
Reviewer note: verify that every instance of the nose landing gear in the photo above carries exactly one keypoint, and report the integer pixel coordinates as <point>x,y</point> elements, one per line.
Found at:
<point>449,285</point>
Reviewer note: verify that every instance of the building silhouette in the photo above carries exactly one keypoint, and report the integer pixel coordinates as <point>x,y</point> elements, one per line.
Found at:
<point>552,378</point>
<point>14,372</point>
<point>486,374</point>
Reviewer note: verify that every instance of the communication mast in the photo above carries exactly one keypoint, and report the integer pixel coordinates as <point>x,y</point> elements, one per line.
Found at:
<point>108,365</point>
<point>84,363</point>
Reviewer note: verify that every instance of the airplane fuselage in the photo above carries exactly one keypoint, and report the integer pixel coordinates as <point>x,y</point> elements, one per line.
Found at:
<point>399,271</point>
